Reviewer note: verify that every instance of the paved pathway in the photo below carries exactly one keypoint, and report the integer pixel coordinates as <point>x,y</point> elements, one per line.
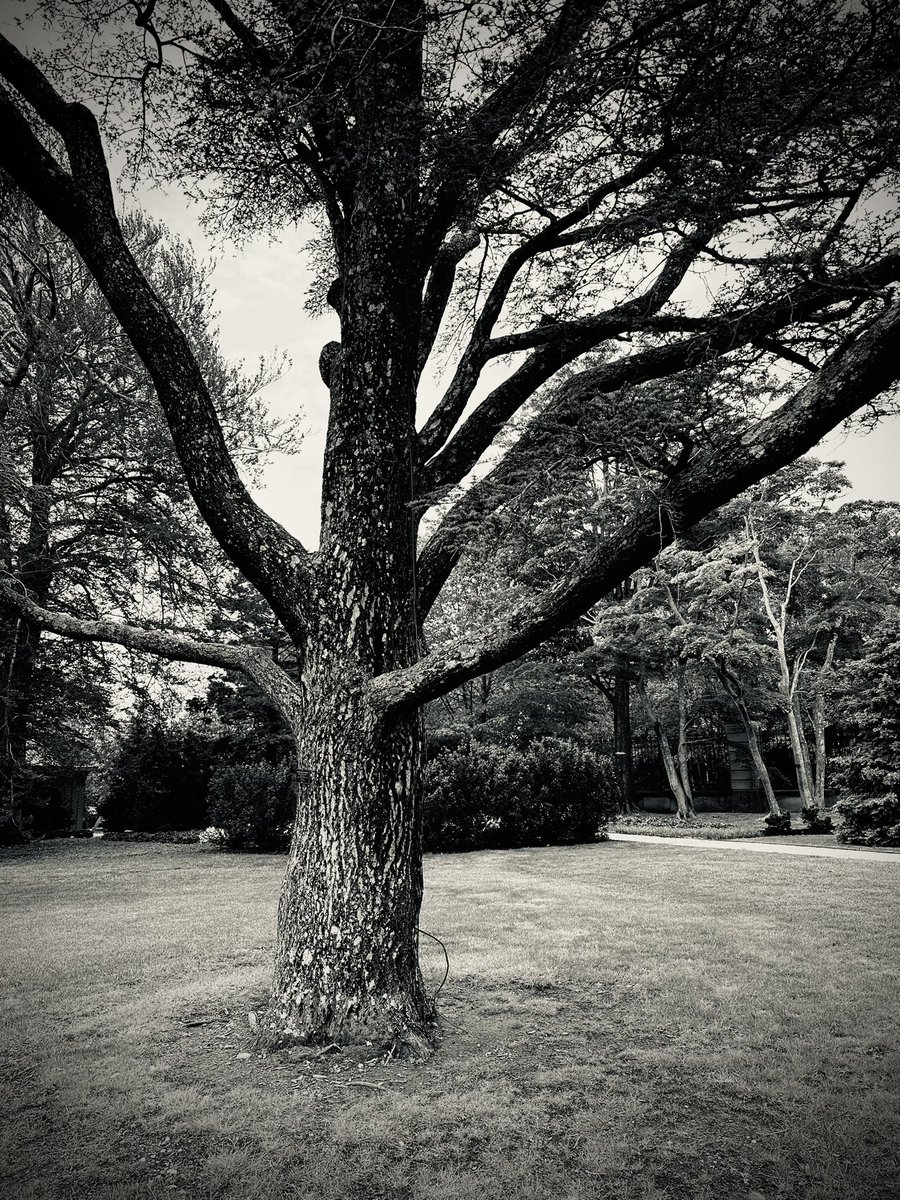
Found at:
<point>760,846</point>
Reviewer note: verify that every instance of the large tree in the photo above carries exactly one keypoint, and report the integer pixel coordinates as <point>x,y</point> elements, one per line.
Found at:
<point>94,512</point>
<point>547,183</point>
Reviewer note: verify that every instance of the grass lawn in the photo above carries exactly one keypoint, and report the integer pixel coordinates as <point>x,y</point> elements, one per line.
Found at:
<point>622,1021</point>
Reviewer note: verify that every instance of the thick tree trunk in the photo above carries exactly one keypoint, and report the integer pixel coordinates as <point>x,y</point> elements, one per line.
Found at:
<point>347,963</point>
<point>347,957</point>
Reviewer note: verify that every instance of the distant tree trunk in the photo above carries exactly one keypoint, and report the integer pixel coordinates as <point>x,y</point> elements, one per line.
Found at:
<point>821,760</point>
<point>789,673</point>
<point>800,752</point>
<point>620,697</point>
<point>683,799</point>
<point>21,639</point>
<point>734,690</point>
<point>19,660</point>
<point>819,722</point>
<point>683,757</point>
<point>759,763</point>
<point>17,666</point>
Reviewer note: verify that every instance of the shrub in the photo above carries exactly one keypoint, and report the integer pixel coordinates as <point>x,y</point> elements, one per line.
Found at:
<point>870,820</point>
<point>484,796</point>
<point>251,805</point>
<point>777,824</point>
<point>815,820</point>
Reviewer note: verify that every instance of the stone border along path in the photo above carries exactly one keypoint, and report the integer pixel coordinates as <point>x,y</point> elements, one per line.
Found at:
<point>756,845</point>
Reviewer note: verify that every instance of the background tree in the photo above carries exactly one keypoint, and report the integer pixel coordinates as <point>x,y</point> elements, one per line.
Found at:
<point>645,634</point>
<point>706,591</point>
<point>771,597</point>
<point>867,773</point>
<point>557,173</point>
<point>94,512</point>
<point>821,578</point>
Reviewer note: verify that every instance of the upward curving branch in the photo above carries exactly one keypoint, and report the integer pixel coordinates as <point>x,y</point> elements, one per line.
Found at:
<point>439,426</point>
<point>556,345</point>
<point>850,379</point>
<point>79,201</point>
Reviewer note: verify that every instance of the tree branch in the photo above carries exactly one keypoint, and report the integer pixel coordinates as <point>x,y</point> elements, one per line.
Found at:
<point>564,342</point>
<point>845,383</point>
<point>462,158</point>
<point>440,287</point>
<point>439,426</point>
<point>248,38</point>
<point>81,204</point>
<point>445,547</point>
<point>254,661</point>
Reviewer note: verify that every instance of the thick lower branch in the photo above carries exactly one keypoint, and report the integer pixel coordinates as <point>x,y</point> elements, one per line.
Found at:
<point>133,637</point>
<point>253,661</point>
<point>846,383</point>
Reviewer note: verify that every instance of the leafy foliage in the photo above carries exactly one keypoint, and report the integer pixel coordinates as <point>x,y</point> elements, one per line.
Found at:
<point>253,804</point>
<point>870,820</point>
<point>159,778</point>
<point>867,773</point>
<point>481,796</point>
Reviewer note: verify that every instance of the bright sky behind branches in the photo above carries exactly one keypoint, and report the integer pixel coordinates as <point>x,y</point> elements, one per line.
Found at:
<point>261,290</point>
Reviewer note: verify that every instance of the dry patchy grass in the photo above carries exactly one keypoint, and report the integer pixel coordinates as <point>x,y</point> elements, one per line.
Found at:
<point>622,1021</point>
